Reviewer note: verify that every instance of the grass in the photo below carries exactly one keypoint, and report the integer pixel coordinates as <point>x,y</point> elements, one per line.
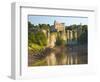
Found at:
<point>35,48</point>
<point>40,63</point>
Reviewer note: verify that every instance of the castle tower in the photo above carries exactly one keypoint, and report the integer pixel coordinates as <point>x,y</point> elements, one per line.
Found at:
<point>59,26</point>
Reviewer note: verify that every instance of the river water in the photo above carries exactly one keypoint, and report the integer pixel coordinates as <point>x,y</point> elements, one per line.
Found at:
<point>69,55</point>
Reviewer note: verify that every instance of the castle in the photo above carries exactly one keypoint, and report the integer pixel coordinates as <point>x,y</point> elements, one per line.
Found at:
<point>58,27</point>
<point>69,35</point>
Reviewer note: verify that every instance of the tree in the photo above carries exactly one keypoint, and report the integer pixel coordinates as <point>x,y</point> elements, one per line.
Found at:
<point>31,38</point>
<point>59,40</point>
<point>83,36</point>
<point>41,39</point>
<point>30,26</point>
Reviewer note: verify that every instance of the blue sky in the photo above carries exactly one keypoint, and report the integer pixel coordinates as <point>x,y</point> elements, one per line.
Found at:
<point>68,20</point>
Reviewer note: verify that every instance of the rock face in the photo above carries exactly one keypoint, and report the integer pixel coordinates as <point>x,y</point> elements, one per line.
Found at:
<point>52,40</point>
<point>69,36</point>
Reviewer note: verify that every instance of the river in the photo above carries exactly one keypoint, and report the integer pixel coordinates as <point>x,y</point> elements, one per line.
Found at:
<point>63,55</point>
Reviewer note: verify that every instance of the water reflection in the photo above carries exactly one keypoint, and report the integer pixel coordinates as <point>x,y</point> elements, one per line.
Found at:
<point>61,58</point>
<point>67,55</point>
<point>51,59</point>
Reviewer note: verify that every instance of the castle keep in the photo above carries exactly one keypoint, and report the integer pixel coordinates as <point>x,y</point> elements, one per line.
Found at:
<point>58,26</point>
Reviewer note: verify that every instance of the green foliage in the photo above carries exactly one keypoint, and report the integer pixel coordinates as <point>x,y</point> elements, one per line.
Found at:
<point>59,40</point>
<point>31,37</point>
<point>37,40</point>
<point>82,32</point>
<point>40,62</point>
<point>34,48</point>
<point>84,28</point>
<point>41,38</point>
<point>33,28</point>
<point>82,38</point>
<point>44,26</point>
<point>30,26</point>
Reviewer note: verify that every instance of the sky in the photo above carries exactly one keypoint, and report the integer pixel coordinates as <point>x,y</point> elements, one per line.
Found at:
<point>68,20</point>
